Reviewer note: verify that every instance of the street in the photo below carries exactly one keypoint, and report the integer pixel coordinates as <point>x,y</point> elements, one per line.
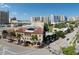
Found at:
<point>13,49</point>
<point>63,42</point>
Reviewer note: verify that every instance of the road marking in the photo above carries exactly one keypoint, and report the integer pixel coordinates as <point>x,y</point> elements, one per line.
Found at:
<point>3,52</point>
<point>11,52</point>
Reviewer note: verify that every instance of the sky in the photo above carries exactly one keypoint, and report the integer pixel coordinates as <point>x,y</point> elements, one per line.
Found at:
<point>23,11</point>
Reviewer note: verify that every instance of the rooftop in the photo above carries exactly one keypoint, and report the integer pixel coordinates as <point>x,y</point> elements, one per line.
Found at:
<point>31,30</point>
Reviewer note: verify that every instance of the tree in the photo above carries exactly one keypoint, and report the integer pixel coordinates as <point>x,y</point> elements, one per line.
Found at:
<point>60,25</point>
<point>4,33</point>
<point>34,38</point>
<point>71,27</point>
<point>12,35</point>
<point>50,27</point>
<point>71,22</point>
<point>18,37</point>
<point>55,37</point>
<point>46,27</point>
<point>69,50</point>
<point>60,34</point>
<point>68,30</point>
<point>76,25</point>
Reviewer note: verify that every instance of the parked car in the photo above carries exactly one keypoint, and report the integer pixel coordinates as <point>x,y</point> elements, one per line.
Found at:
<point>67,38</point>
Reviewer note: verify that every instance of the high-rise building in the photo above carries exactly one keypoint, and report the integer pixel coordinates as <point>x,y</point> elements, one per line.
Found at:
<point>57,19</point>
<point>4,17</point>
<point>74,18</point>
<point>63,18</point>
<point>43,19</point>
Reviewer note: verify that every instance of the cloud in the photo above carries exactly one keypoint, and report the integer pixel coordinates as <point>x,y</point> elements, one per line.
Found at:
<point>2,5</point>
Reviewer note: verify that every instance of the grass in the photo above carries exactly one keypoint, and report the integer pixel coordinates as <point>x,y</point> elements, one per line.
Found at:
<point>73,42</point>
<point>69,50</point>
<point>50,28</point>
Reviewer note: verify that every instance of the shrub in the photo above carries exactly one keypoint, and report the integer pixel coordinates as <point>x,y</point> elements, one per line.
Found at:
<point>60,34</point>
<point>69,50</point>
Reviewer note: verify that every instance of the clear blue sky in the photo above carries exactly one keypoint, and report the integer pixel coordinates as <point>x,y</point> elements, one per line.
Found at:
<point>26,10</point>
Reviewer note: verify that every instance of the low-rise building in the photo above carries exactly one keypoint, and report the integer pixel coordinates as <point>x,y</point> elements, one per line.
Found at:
<point>29,31</point>
<point>62,29</point>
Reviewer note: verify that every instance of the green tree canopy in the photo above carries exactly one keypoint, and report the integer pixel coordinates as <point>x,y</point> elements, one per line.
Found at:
<point>18,36</point>
<point>60,25</point>
<point>34,37</point>
<point>13,34</point>
<point>69,50</point>
<point>60,34</point>
<point>5,32</point>
<point>46,27</point>
<point>71,27</point>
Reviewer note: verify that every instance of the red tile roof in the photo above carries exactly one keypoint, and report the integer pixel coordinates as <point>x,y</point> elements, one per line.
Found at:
<point>37,30</point>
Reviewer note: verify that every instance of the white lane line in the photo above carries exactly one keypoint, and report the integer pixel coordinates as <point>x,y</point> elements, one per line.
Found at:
<point>11,52</point>
<point>6,50</point>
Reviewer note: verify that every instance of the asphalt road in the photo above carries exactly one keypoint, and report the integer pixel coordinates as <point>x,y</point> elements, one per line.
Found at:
<point>63,42</point>
<point>12,49</point>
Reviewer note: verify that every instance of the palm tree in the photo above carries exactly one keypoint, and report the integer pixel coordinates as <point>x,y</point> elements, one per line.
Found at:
<point>12,36</point>
<point>34,38</point>
<point>19,37</point>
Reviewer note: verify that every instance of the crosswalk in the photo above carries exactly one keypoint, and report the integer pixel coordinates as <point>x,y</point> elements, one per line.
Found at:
<point>4,51</point>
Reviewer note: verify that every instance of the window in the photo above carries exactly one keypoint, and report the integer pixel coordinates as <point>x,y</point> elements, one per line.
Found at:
<point>39,35</point>
<point>21,34</point>
<point>27,38</point>
<point>25,34</point>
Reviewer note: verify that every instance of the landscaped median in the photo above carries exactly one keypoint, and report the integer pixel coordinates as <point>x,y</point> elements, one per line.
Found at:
<point>71,43</point>
<point>69,50</point>
<point>75,38</point>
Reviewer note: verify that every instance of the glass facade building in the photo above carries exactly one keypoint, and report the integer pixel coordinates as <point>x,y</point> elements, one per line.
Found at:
<point>4,17</point>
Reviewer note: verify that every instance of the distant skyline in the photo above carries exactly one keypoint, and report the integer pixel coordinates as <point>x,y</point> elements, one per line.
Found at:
<point>24,11</point>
